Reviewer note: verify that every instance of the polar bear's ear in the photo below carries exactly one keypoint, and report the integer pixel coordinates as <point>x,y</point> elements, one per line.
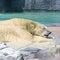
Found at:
<point>30,27</point>
<point>33,25</point>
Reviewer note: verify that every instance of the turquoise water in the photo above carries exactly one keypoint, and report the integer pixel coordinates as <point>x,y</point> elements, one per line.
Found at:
<point>42,17</point>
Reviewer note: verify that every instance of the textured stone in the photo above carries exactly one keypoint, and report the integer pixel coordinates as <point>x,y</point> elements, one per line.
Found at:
<point>42,4</point>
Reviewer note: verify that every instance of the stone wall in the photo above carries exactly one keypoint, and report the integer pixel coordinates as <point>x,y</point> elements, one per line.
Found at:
<point>57,5</point>
<point>20,5</point>
<point>42,4</point>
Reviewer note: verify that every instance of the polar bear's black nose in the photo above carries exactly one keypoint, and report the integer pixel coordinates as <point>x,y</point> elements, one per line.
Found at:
<point>47,34</point>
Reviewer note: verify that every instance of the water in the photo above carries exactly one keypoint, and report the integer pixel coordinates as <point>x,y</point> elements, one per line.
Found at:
<point>41,17</point>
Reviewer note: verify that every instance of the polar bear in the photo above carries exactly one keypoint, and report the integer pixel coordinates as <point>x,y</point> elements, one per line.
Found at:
<point>19,33</point>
